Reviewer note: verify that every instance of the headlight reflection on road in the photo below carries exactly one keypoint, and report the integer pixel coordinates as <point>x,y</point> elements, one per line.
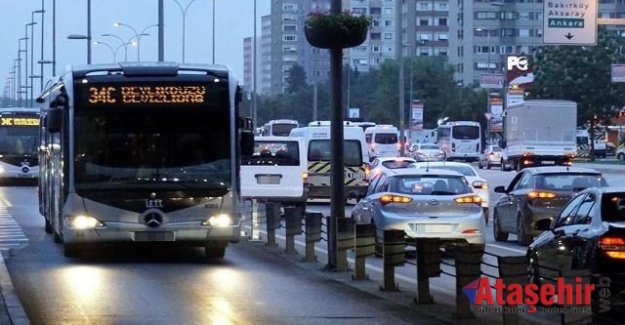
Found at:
<point>220,310</point>
<point>85,281</point>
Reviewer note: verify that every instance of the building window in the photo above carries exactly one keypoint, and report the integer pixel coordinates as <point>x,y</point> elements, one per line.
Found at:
<point>388,35</point>
<point>375,36</point>
<point>289,28</point>
<point>290,38</point>
<point>388,23</point>
<point>375,10</point>
<point>291,7</point>
<point>423,6</point>
<point>375,49</point>
<point>443,6</point>
<point>442,21</point>
<point>375,23</point>
<point>388,11</point>
<point>442,37</point>
<point>423,22</point>
<point>359,11</point>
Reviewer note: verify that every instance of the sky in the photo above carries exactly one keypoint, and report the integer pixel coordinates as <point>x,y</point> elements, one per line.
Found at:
<point>233,22</point>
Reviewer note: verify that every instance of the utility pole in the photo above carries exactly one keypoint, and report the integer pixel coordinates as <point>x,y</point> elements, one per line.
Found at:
<point>400,83</point>
<point>161,32</point>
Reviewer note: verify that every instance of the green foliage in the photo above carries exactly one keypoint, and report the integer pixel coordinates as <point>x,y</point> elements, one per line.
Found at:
<point>581,74</point>
<point>296,79</point>
<point>426,78</point>
<point>336,21</point>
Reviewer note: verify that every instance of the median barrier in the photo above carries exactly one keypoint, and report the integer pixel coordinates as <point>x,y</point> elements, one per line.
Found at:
<point>293,221</point>
<point>468,260</point>
<point>272,213</point>
<point>393,254</point>
<point>364,246</point>
<point>428,265</point>
<point>312,232</point>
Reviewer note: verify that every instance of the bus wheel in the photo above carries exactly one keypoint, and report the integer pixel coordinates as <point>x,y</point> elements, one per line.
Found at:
<point>48,227</point>
<point>215,250</point>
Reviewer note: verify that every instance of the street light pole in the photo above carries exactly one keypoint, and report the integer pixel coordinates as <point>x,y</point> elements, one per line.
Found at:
<point>114,52</point>
<point>40,11</point>
<point>136,35</point>
<point>29,79</point>
<point>183,11</point>
<point>214,29</point>
<point>123,43</point>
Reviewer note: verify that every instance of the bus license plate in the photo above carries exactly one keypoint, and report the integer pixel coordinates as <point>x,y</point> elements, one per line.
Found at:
<point>548,162</point>
<point>355,175</point>
<point>154,236</point>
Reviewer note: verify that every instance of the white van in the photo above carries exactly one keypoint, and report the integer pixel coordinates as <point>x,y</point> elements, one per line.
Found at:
<point>383,141</point>
<point>276,172</point>
<point>319,154</point>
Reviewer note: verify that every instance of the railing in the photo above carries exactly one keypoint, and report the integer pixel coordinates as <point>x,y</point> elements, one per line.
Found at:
<point>467,263</point>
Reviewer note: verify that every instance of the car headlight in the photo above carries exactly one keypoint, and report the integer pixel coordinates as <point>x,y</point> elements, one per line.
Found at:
<point>220,220</point>
<point>82,221</point>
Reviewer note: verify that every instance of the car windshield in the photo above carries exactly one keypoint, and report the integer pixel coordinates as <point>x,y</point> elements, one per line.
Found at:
<point>613,207</point>
<point>429,147</point>
<point>464,170</point>
<point>393,164</point>
<point>568,181</point>
<point>386,138</point>
<point>430,185</point>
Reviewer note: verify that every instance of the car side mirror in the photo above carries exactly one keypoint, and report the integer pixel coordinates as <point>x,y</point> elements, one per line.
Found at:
<point>543,224</point>
<point>500,189</point>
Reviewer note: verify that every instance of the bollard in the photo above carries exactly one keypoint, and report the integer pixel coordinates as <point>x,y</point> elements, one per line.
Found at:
<point>512,269</point>
<point>428,265</point>
<point>576,313</point>
<point>468,269</point>
<point>255,233</point>
<point>364,246</point>
<point>393,254</point>
<point>313,234</point>
<point>293,216</point>
<point>344,242</point>
<point>272,213</point>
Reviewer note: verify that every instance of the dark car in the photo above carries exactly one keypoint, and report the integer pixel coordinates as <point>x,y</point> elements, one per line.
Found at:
<point>588,234</point>
<point>538,193</point>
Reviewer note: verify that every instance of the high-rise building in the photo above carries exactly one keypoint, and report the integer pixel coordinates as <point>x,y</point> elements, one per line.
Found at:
<point>476,36</point>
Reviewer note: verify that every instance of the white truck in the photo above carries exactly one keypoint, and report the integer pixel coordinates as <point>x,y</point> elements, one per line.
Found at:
<point>539,132</point>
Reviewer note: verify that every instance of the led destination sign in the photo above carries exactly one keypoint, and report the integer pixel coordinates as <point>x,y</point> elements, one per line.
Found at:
<point>19,121</point>
<point>146,94</point>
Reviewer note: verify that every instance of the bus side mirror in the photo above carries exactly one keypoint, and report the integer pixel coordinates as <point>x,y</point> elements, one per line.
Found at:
<point>247,143</point>
<point>54,120</point>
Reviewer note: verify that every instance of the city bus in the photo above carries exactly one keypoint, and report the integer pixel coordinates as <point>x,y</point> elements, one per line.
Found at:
<point>143,153</point>
<point>19,134</point>
<point>460,140</point>
<point>279,128</point>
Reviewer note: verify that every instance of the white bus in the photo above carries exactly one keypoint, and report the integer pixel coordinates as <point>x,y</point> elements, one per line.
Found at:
<point>460,140</point>
<point>143,153</point>
<point>19,135</point>
<point>279,128</point>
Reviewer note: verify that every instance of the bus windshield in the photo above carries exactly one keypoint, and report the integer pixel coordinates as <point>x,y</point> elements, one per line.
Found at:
<point>465,132</point>
<point>282,129</point>
<point>20,140</point>
<point>152,146</point>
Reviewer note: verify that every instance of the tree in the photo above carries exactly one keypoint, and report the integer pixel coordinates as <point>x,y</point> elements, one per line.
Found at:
<point>581,74</point>
<point>296,79</point>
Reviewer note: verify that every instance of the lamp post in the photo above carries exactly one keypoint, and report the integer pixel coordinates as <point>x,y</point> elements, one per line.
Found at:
<point>32,56</point>
<point>183,11</point>
<point>214,29</point>
<point>122,44</point>
<point>85,37</point>
<point>136,35</point>
<point>113,51</point>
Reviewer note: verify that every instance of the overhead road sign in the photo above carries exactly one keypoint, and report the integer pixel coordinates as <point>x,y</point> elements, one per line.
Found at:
<point>570,22</point>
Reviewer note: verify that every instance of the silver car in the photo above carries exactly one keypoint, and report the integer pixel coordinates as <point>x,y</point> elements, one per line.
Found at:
<point>423,203</point>
<point>426,152</point>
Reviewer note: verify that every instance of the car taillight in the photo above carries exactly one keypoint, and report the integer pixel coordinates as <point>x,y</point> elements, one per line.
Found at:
<point>367,172</point>
<point>613,247</point>
<point>541,195</point>
<point>492,154</point>
<point>386,199</point>
<point>469,199</point>
<point>305,177</point>
<point>480,184</point>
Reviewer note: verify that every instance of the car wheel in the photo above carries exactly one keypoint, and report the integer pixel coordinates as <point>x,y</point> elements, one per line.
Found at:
<point>70,250</point>
<point>503,166</point>
<point>479,164</point>
<point>621,156</point>
<point>522,237</point>
<point>215,250</point>
<point>497,233</point>
<point>488,165</point>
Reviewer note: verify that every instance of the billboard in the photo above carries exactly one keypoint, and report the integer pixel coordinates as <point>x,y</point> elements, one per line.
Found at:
<point>416,120</point>
<point>519,74</point>
<point>492,80</point>
<point>495,112</point>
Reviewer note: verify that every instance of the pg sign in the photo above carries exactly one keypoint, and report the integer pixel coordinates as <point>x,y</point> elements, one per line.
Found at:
<point>570,22</point>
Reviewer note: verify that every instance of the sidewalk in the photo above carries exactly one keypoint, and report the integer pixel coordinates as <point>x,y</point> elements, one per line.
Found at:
<point>604,166</point>
<point>11,310</point>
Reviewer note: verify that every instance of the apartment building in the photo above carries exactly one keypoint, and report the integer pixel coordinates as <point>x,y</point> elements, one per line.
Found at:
<point>475,35</point>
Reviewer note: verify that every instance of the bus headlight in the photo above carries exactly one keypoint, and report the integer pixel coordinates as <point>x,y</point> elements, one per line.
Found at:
<point>220,220</point>
<point>82,222</point>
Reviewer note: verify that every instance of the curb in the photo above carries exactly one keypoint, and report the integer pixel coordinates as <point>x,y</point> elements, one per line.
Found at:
<point>16,313</point>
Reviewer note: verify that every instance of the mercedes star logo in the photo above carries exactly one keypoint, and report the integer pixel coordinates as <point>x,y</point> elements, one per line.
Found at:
<point>153,219</point>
